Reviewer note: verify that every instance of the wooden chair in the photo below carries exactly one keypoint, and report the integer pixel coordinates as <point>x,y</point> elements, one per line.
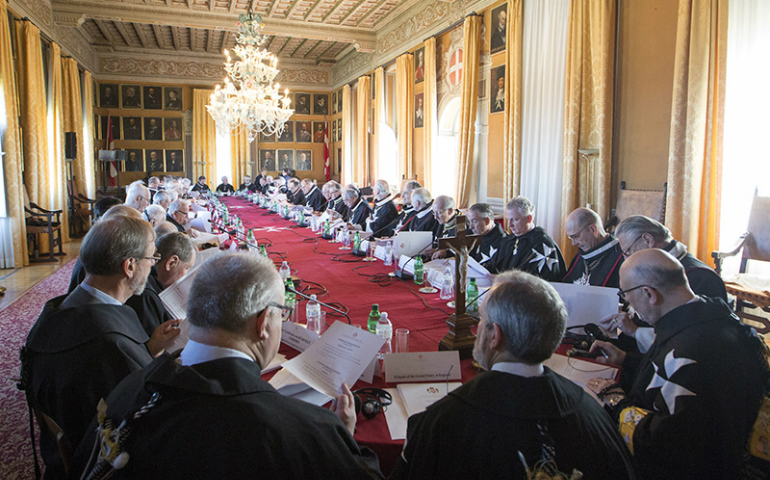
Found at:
<point>80,209</point>
<point>62,442</point>
<point>39,220</point>
<point>650,203</point>
<point>754,244</point>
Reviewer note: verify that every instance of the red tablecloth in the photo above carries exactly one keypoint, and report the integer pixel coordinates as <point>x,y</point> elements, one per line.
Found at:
<point>347,280</point>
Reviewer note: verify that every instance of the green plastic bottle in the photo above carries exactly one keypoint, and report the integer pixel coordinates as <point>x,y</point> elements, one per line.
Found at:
<point>471,297</point>
<point>327,228</point>
<point>357,242</point>
<point>290,298</point>
<point>263,250</point>
<point>418,272</point>
<point>374,319</point>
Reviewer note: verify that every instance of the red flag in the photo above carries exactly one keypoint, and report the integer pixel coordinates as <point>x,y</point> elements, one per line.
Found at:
<point>327,166</point>
<point>111,146</point>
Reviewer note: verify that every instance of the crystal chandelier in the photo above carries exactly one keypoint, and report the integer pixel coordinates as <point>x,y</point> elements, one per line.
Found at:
<point>249,99</point>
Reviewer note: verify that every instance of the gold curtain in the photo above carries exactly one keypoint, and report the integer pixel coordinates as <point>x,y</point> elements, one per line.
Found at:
<point>466,175</point>
<point>430,120</point>
<point>512,115</point>
<point>588,108</point>
<point>88,116</point>
<point>73,119</point>
<point>361,162</point>
<point>379,112</point>
<point>55,161</point>
<point>204,150</point>
<point>405,113</point>
<point>14,189</point>
<point>697,125</point>
<point>239,155</point>
<point>347,174</point>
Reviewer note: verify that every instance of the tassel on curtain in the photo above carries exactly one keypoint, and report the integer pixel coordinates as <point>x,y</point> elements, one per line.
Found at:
<point>467,171</point>
<point>204,151</point>
<point>697,126</point>
<point>405,113</point>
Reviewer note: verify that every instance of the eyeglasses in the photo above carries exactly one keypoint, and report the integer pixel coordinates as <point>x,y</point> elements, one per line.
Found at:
<point>154,259</point>
<point>627,252</point>
<point>622,293</point>
<point>574,236</point>
<point>285,311</point>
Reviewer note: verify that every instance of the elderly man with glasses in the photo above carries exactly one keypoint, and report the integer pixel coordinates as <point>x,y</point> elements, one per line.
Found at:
<point>225,420</point>
<point>694,397</point>
<point>599,259</point>
<point>85,343</point>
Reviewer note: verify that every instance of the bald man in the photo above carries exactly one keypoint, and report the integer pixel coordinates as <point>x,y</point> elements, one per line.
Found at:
<point>694,397</point>
<point>599,258</point>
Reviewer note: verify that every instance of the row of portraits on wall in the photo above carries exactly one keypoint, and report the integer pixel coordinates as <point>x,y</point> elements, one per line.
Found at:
<point>168,129</point>
<point>153,160</point>
<point>112,95</point>
<point>276,160</point>
<point>300,132</point>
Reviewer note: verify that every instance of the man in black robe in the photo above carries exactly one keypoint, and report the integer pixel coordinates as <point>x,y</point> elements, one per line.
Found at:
<point>246,185</point>
<point>529,248</point>
<point>518,413</point>
<point>213,403</point>
<point>100,208</point>
<point>384,210</point>
<point>358,209</point>
<point>313,196</point>
<point>600,257</point>
<point>445,213</point>
<point>481,219</point>
<point>694,397</point>
<point>85,343</point>
<point>333,193</point>
<point>423,219</point>
<point>178,214</point>
<point>225,187</point>
<point>201,186</point>
<point>406,213</point>
<point>295,195</point>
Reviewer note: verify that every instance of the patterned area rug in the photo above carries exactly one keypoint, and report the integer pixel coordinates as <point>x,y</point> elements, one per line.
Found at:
<point>15,321</point>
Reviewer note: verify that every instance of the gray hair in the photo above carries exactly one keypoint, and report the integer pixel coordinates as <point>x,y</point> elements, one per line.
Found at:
<point>333,186</point>
<point>293,181</point>
<point>484,210</point>
<point>173,195</point>
<point>351,192</point>
<point>523,204</point>
<point>122,211</point>
<point>186,182</point>
<point>161,197</point>
<point>382,186</point>
<point>155,212</point>
<point>165,228</point>
<point>113,240</point>
<point>637,225</point>
<point>530,314</point>
<point>152,180</point>
<point>175,243</point>
<point>136,189</point>
<point>230,289</point>
<point>422,194</point>
<point>444,202</point>
<point>412,185</point>
<point>175,206</point>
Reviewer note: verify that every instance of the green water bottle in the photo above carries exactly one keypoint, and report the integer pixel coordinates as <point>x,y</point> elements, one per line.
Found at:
<point>357,242</point>
<point>418,273</point>
<point>286,211</point>
<point>471,297</point>
<point>290,298</point>
<point>374,318</point>
<point>327,228</point>
<point>263,250</point>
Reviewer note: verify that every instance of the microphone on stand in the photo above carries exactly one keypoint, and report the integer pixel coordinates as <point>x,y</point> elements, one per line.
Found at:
<point>401,273</point>
<point>307,297</point>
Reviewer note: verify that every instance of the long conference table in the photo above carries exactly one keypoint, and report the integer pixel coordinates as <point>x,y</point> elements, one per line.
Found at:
<point>350,281</point>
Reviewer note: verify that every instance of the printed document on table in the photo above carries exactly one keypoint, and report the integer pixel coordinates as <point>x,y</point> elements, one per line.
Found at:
<point>587,303</point>
<point>419,396</point>
<point>174,298</point>
<point>580,371</point>
<point>341,355</point>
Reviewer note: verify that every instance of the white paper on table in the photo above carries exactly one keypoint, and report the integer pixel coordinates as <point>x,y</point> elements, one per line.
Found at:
<point>479,272</point>
<point>174,297</point>
<point>290,386</point>
<point>396,416</point>
<point>341,355</point>
<point>422,366</point>
<point>580,371</point>
<point>275,364</point>
<point>177,343</point>
<point>204,237</point>
<point>296,336</point>
<point>419,396</point>
<point>587,303</point>
<point>368,374</point>
<point>279,197</point>
<point>200,224</point>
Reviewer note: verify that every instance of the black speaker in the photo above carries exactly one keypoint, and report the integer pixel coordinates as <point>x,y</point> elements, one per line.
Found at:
<point>70,145</point>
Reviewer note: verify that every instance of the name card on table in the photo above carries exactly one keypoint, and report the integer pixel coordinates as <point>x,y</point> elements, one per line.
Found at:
<point>422,367</point>
<point>296,336</point>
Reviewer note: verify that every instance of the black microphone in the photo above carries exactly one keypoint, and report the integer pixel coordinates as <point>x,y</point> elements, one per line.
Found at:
<point>401,273</point>
<point>307,297</point>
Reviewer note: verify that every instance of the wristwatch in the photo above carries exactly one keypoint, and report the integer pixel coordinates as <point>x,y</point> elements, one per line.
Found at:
<point>615,400</point>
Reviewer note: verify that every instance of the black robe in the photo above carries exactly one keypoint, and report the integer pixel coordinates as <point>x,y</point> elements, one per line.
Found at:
<point>423,221</point>
<point>78,275</point>
<point>599,267</point>
<point>200,188</point>
<point>219,419</point>
<point>702,279</point>
<point>489,244</point>
<point>315,199</point>
<point>359,213</point>
<point>178,225</point>
<point>222,188</point>
<point>449,229</point>
<point>384,212</point>
<point>296,198</point>
<point>338,206</point>
<point>77,352</point>
<point>249,187</point>
<point>149,307</point>
<point>479,428</point>
<point>404,217</point>
<point>534,252</point>
<point>702,381</point>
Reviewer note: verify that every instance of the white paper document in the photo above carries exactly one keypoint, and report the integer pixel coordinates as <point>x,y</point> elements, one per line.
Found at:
<point>177,343</point>
<point>275,364</point>
<point>396,416</point>
<point>290,386</point>
<point>419,396</point>
<point>422,366</point>
<point>174,298</point>
<point>296,336</point>
<point>580,371</point>
<point>341,355</point>
<point>587,303</point>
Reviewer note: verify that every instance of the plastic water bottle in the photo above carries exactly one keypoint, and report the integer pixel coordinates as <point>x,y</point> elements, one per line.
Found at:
<point>313,313</point>
<point>447,285</point>
<point>388,254</point>
<point>327,228</point>
<point>263,250</point>
<point>357,242</point>
<point>384,330</point>
<point>374,318</point>
<point>418,273</point>
<point>285,271</point>
<point>471,297</point>
<point>289,298</point>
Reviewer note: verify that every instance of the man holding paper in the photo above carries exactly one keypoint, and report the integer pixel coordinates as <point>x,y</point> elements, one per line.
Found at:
<point>210,415</point>
<point>519,413</point>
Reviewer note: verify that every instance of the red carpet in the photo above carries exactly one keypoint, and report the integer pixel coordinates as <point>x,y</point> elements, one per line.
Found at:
<point>15,322</point>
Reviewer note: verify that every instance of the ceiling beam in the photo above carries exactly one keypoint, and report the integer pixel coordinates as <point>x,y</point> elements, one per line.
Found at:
<point>270,8</point>
<point>311,49</point>
<point>298,47</point>
<point>105,33</point>
<point>231,7</point>
<point>292,7</point>
<point>225,38</point>
<point>331,45</point>
<point>311,9</point>
<point>159,36</point>
<point>331,11</point>
<point>168,3</point>
<point>211,5</point>
<point>140,33</point>
<point>121,28</point>
<point>370,12</point>
<point>351,11</point>
<point>176,37</point>
<point>210,41</point>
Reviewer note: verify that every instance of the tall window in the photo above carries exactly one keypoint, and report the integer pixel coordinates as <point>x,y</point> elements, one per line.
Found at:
<point>444,167</point>
<point>224,167</point>
<point>746,159</point>
<point>387,155</point>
